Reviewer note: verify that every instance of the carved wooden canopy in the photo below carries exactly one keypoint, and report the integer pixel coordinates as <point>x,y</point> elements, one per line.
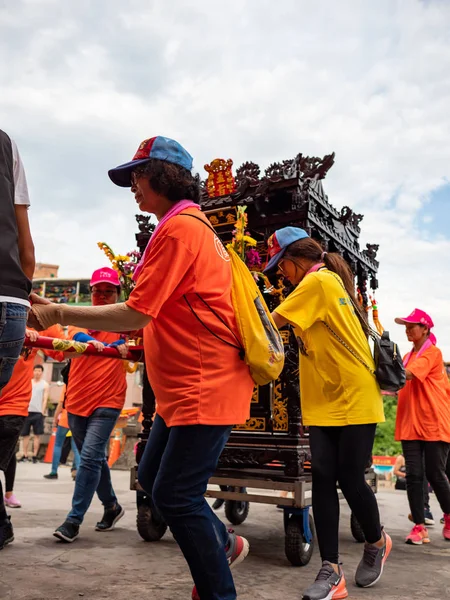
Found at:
<point>291,193</point>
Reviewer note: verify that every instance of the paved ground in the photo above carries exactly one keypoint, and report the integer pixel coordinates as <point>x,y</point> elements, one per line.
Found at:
<point>119,565</point>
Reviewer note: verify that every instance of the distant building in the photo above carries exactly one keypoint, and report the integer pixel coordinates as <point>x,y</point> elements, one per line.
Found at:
<point>45,270</point>
<point>57,289</point>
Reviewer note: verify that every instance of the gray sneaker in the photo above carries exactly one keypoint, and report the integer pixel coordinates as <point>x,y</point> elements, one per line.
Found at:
<point>328,584</point>
<point>370,568</point>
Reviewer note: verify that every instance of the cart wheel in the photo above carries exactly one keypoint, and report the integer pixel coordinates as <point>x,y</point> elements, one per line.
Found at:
<point>297,550</point>
<point>236,511</point>
<point>357,532</point>
<point>148,529</point>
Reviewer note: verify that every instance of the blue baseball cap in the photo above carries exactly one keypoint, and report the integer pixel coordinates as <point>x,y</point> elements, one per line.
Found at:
<point>156,147</point>
<point>279,241</point>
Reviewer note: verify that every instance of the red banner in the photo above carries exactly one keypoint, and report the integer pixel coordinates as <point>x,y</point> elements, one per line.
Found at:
<point>135,353</point>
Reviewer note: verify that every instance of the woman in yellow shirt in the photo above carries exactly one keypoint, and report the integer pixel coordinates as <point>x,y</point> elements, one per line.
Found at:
<point>340,398</point>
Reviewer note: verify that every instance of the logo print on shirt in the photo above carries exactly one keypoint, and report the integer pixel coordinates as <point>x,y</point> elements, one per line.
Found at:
<point>221,250</point>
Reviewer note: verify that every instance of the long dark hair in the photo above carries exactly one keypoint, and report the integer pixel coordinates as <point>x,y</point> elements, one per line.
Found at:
<point>311,250</point>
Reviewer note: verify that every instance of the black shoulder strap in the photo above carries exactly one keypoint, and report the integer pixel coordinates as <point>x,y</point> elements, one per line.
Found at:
<point>239,346</point>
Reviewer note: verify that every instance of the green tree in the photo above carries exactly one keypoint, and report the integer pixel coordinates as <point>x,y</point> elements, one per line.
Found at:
<point>385,444</point>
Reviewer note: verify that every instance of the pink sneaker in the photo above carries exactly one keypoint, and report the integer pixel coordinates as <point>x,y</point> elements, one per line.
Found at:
<point>419,536</point>
<point>13,502</point>
<point>237,550</point>
<point>446,530</point>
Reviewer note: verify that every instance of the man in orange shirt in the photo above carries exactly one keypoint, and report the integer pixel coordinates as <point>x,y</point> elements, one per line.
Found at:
<point>183,299</point>
<point>95,396</point>
<point>14,401</point>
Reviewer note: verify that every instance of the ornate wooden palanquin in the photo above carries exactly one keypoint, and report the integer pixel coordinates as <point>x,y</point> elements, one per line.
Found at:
<point>288,193</point>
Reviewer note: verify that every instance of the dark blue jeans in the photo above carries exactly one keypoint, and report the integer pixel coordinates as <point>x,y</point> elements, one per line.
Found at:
<point>174,470</point>
<point>13,319</point>
<point>60,438</point>
<point>91,435</point>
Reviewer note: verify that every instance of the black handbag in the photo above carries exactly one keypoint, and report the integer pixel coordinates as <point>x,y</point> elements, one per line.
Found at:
<point>389,370</point>
<point>400,483</point>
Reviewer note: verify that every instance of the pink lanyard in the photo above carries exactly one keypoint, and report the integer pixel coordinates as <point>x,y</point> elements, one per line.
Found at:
<point>315,268</point>
<point>175,210</point>
<point>408,357</point>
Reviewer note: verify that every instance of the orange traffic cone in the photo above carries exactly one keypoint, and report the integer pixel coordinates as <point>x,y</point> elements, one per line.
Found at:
<point>115,448</point>
<point>51,444</point>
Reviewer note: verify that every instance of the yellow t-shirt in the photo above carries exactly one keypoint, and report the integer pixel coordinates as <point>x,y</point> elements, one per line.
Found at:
<point>335,388</point>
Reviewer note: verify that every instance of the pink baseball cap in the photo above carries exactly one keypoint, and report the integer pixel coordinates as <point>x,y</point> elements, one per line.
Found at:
<point>417,316</point>
<point>105,275</point>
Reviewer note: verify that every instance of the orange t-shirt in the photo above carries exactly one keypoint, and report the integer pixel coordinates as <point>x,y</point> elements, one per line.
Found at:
<point>423,411</point>
<point>15,396</point>
<point>197,378</point>
<point>95,382</point>
<point>63,420</point>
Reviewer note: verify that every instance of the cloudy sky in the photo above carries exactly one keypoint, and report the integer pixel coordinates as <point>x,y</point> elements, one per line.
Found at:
<point>82,83</point>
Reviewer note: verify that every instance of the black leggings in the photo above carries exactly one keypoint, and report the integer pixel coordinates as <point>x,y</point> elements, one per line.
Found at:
<point>432,455</point>
<point>10,474</point>
<point>2,506</point>
<point>341,455</point>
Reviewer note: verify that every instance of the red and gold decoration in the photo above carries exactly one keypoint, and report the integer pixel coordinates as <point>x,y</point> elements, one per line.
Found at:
<point>221,218</point>
<point>220,180</point>
<point>379,327</point>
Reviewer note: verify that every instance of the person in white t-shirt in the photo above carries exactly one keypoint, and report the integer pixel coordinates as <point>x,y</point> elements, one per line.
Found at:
<point>16,259</point>
<point>16,271</point>
<point>36,412</point>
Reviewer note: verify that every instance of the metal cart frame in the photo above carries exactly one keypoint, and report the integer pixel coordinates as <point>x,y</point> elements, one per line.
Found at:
<point>297,519</point>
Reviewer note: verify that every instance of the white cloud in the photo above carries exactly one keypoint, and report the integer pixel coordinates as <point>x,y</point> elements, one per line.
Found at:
<point>249,80</point>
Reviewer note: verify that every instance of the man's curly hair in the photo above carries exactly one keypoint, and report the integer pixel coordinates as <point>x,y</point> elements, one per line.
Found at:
<point>172,181</point>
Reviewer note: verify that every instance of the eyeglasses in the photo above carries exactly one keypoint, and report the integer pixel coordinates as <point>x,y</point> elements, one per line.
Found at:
<point>135,175</point>
<point>280,267</point>
<point>103,292</point>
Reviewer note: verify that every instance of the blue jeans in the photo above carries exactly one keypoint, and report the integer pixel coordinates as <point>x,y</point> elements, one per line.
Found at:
<point>13,319</point>
<point>61,434</point>
<point>91,435</point>
<point>174,470</point>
